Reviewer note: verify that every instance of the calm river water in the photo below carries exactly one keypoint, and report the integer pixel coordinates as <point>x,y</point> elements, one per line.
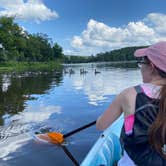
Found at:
<point>58,101</point>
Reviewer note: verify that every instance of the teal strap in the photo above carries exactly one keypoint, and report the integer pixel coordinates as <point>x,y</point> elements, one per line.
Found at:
<point>138,89</point>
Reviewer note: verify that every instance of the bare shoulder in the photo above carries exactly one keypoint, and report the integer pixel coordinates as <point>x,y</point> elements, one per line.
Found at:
<point>128,91</point>
<point>128,97</point>
<point>124,102</point>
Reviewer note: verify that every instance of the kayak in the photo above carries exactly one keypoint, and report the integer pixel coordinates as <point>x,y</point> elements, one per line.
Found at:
<point>107,150</point>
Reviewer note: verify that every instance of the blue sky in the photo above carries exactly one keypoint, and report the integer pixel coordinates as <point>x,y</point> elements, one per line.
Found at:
<point>86,27</point>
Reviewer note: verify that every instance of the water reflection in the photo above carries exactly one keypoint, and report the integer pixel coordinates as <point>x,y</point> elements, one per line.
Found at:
<point>108,81</point>
<point>17,117</point>
<point>16,90</point>
<point>57,101</point>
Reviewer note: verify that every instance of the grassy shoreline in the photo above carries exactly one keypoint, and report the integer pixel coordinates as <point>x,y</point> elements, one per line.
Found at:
<point>29,66</point>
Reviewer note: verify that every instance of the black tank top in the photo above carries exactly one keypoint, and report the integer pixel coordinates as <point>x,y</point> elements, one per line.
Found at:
<point>136,144</point>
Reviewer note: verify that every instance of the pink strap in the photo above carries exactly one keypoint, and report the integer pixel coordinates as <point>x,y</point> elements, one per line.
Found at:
<point>151,90</point>
<point>146,90</point>
<point>129,123</point>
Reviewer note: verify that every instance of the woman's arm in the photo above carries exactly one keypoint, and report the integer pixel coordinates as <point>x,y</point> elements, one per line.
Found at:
<point>124,102</point>
<point>111,114</point>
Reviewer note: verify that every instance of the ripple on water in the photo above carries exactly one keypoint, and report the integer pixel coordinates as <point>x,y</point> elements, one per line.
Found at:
<point>15,135</point>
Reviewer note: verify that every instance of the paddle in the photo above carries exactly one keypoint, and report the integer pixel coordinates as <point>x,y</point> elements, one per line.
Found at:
<point>79,129</point>
<point>58,138</point>
<point>68,153</point>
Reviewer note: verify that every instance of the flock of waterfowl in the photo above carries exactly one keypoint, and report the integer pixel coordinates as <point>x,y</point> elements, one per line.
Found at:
<point>82,71</point>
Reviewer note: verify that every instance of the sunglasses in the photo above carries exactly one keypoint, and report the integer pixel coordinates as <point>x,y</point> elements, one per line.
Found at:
<point>139,63</point>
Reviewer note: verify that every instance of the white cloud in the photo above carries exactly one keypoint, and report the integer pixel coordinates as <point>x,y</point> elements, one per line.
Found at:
<point>77,41</point>
<point>68,52</point>
<point>158,21</point>
<point>9,3</point>
<point>31,10</point>
<point>99,37</point>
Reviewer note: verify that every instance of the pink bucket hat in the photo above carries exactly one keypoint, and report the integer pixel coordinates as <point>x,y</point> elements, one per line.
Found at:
<point>156,53</point>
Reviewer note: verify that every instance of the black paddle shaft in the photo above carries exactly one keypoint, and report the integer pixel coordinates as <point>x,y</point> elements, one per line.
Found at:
<point>68,153</point>
<point>79,129</point>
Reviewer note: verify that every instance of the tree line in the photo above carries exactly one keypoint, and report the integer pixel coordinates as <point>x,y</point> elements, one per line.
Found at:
<point>16,44</point>
<point>123,54</point>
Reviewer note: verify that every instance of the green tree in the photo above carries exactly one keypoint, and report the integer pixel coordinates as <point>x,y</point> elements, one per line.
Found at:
<point>57,51</point>
<point>12,38</point>
<point>18,45</point>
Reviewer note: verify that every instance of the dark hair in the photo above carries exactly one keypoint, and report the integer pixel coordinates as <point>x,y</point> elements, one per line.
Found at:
<point>157,131</point>
<point>145,58</point>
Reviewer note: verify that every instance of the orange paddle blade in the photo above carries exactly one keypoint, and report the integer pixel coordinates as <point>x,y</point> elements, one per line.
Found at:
<point>56,138</point>
<point>51,137</point>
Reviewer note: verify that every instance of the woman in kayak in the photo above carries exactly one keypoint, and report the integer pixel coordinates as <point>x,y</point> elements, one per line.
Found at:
<point>143,135</point>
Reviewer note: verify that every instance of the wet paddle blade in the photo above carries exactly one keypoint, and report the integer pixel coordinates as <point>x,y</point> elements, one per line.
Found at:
<point>56,138</point>
<point>51,137</point>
